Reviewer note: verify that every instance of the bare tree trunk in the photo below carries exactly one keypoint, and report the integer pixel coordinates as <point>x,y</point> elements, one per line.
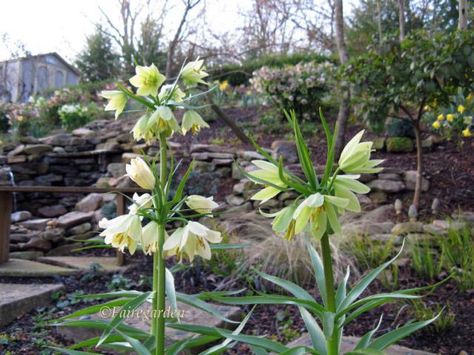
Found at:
<point>379,22</point>
<point>401,19</point>
<point>419,165</point>
<point>344,108</point>
<point>228,121</point>
<point>463,11</point>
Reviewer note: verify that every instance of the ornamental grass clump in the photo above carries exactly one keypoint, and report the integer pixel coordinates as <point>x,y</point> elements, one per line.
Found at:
<point>314,215</point>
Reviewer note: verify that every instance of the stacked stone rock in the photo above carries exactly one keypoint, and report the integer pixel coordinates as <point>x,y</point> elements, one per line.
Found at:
<point>97,155</point>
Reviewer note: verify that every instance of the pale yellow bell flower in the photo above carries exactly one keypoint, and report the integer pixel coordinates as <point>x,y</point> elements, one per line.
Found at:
<point>117,101</point>
<point>162,121</point>
<point>191,240</point>
<point>150,238</point>
<point>436,125</point>
<point>147,80</point>
<point>193,73</point>
<point>141,131</point>
<point>165,93</point>
<point>461,109</point>
<point>201,204</point>
<point>316,210</point>
<point>140,202</point>
<point>355,157</point>
<point>122,232</point>
<point>266,172</point>
<point>139,171</point>
<point>193,122</point>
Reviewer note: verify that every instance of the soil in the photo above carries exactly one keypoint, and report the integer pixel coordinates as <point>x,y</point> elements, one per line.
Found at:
<point>451,175</point>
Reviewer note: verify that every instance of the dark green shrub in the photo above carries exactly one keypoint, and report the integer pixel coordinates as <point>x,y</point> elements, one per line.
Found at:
<point>397,127</point>
<point>399,145</point>
<point>240,74</point>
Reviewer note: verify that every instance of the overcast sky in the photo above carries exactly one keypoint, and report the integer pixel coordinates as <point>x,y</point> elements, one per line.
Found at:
<point>62,25</point>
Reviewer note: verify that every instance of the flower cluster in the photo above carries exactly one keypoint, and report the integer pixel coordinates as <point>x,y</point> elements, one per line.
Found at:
<point>161,101</point>
<point>126,231</point>
<point>156,209</point>
<point>319,203</point>
<point>455,119</point>
<point>302,87</point>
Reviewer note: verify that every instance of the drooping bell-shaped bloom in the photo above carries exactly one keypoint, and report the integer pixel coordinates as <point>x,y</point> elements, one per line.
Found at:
<point>122,232</point>
<point>117,101</point>
<point>150,238</point>
<point>139,202</point>
<point>355,157</point>
<point>140,130</point>
<point>345,186</point>
<point>139,171</point>
<point>192,121</point>
<point>147,80</point>
<point>193,73</point>
<point>191,240</point>
<point>162,121</point>
<point>201,204</point>
<point>317,210</point>
<point>267,172</point>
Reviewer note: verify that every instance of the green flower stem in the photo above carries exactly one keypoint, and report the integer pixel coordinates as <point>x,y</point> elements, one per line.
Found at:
<point>332,341</point>
<point>159,266</point>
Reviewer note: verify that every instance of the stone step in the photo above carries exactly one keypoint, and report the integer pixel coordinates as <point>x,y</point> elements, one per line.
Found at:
<point>29,268</point>
<point>349,342</point>
<point>18,299</point>
<point>86,263</point>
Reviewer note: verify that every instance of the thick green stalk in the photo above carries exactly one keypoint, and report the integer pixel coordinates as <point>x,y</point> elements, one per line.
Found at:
<point>332,341</point>
<point>159,275</point>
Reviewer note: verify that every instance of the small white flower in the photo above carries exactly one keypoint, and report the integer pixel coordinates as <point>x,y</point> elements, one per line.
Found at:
<point>122,232</point>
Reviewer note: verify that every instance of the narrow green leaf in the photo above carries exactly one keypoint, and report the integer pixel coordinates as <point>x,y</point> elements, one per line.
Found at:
<point>182,184</point>
<point>365,352</point>
<point>312,306</point>
<point>291,287</point>
<point>71,352</point>
<point>170,290</point>
<point>115,294</point>
<point>136,345</point>
<point>224,333</point>
<point>199,304</point>
<point>96,308</point>
<point>384,296</point>
<point>384,341</point>
<point>342,289</point>
<point>217,349</point>
<point>318,272</point>
<point>360,287</point>
<point>178,347</point>
<point>317,336</point>
<point>118,319</point>
<point>367,337</point>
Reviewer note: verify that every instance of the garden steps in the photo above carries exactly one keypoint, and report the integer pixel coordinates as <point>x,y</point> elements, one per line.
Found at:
<point>18,299</point>
<point>349,342</point>
<point>86,263</point>
<point>29,268</point>
<point>190,314</point>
